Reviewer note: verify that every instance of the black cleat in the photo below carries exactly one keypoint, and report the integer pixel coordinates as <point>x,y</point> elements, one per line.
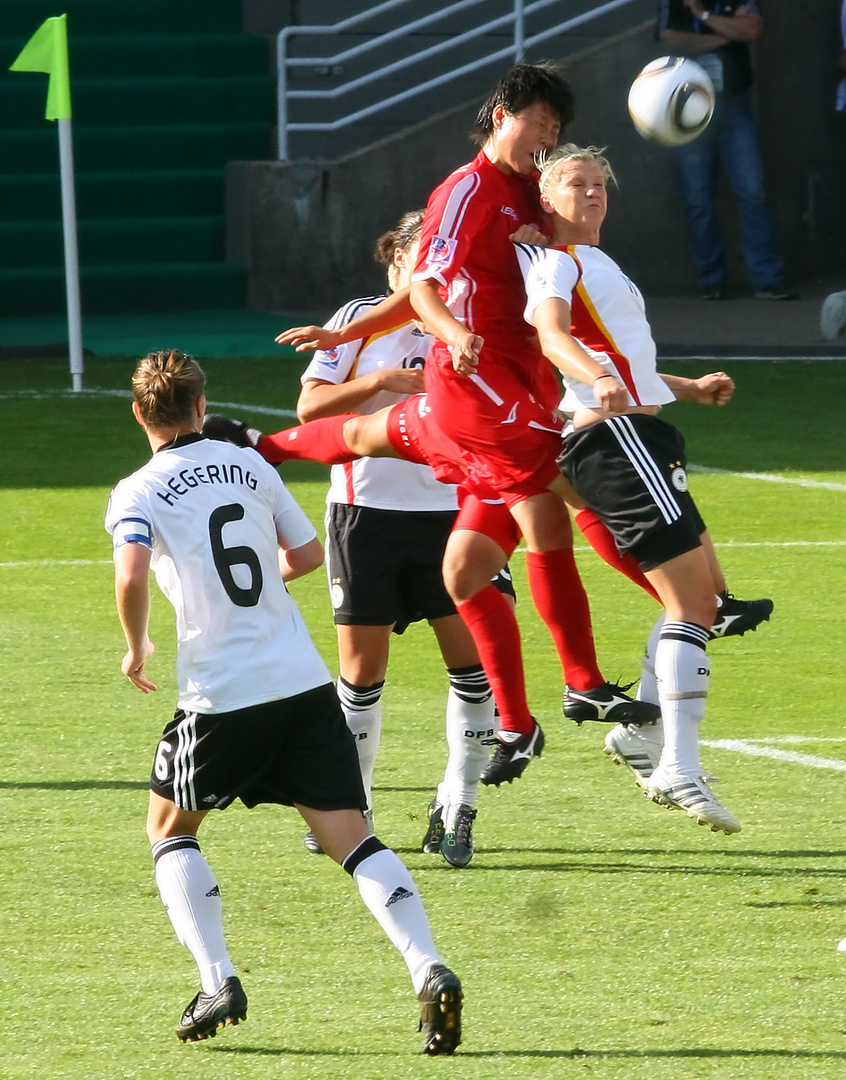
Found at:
<point>440,1011</point>
<point>224,429</point>
<point>457,847</point>
<point>610,704</point>
<point>208,1012</point>
<point>509,760</point>
<point>435,832</point>
<point>735,617</point>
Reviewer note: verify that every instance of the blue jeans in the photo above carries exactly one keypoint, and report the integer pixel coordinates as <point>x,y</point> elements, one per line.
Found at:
<point>731,140</point>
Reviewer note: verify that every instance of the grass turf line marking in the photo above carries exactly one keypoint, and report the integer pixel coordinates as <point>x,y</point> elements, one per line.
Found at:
<point>744,746</point>
<point>519,551</point>
<point>39,395</point>
<point>771,478</point>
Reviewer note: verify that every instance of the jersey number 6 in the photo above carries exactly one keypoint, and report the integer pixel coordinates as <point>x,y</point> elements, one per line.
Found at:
<point>227,557</point>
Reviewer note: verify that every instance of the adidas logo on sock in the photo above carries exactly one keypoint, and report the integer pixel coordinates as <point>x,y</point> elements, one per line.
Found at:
<point>398,894</point>
<point>213,892</point>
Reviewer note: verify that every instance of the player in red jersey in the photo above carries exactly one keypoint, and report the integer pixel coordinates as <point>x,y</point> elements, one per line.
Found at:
<point>492,393</point>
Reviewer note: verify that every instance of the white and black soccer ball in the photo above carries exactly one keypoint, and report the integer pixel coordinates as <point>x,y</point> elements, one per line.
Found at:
<point>671,101</point>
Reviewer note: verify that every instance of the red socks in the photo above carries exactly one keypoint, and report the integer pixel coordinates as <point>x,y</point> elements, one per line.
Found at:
<point>562,603</point>
<point>602,542</point>
<point>318,440</point>
<point>493,626</point>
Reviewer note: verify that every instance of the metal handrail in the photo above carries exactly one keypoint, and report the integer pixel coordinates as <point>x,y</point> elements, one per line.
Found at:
<point>520,44</point>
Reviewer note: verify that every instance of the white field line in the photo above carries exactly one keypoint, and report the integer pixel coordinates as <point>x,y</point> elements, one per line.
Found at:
<point>519,551</point>
<point>758,749</point>
<point>771,478</point>
<point>71,395</point>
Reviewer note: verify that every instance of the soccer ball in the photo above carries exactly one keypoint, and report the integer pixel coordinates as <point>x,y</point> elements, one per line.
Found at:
<point>671,101</point>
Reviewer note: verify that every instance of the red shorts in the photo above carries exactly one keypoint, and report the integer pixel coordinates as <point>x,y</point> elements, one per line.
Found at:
<point>507,436</point>
<point>415,437</point>
<point>488,516</point>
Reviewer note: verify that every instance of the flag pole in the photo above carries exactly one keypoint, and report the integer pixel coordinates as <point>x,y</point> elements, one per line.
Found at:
<point>47,51</point>
<point>71,252</point>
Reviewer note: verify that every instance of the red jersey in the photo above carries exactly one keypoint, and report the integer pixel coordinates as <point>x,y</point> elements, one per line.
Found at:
<point>464,246</point>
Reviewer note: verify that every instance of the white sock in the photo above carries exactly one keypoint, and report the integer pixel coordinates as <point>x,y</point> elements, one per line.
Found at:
<point>362,710</point>
<point>682,670</point>
<point>470,729</point>
<point>190,894</point>
<point>388,891</point>
<point>647,689</point>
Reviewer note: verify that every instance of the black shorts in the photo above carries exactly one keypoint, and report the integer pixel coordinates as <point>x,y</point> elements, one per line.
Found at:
<point>385,566</point>
<point>295,750</point>
<point>631,471</point>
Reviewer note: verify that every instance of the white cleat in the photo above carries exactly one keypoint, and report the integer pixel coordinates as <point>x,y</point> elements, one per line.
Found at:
<point>691,794</point>
<point>636,746</point>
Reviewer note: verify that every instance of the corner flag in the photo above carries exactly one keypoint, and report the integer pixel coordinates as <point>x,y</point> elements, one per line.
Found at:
<point>47,51</point>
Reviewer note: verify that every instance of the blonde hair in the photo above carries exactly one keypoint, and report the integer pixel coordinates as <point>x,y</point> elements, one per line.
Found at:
<point>165,386</point>
<point>549,159</point>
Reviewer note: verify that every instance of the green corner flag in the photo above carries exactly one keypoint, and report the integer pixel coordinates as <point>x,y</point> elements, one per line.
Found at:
<point>47,51</point>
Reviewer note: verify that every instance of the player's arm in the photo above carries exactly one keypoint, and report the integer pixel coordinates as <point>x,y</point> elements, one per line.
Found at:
<point>552,322</point>
<point>745,24</point>
<point>132,595</point>
<point>439,320</point>
<point>395,310</point>
<point>318,398</point>
<point>299,561</point>
<point>716,388</point>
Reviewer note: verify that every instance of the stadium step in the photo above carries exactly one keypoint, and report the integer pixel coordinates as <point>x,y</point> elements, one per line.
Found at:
<point>151,56</point>
<point>37,197</point>
<point>164,93</point>
<point>98,103</point>
<point>125,289</point>
<point>23,17</point>
<point>30,244</point>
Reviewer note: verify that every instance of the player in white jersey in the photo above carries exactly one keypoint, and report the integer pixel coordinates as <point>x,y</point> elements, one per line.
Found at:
<point>258,718</point>
<point>628,465</point>
<point>387,526</point>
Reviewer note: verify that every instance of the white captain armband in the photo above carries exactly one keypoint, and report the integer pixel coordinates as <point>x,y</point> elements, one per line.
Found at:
<point>132,531</point>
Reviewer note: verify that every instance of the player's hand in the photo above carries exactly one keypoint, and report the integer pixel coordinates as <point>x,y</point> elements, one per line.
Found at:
<point>403,380</point>
<point>715,388</point>
<point>527,234</point>
<point>611,394</point>
<point>133,667</point>
<point>465,352</point>
<point>308,338</point>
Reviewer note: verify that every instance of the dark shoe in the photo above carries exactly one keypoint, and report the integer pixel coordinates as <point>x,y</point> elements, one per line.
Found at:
<point>457,847</point>
<point>509,760</point>
<point>735,617</point>
<point>208,1012</point>
<point>224,429</point>
<point>609,704</point>
<point>435,832</point>
<point>440,1011</point>
<point>777,290</point>
<point>714,292</point>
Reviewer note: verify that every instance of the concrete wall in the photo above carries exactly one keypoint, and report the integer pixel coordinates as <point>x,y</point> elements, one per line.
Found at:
<point>305,231</point>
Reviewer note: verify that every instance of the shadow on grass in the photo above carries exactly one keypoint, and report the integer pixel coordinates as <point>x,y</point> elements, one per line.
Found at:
<point>577,1053</point>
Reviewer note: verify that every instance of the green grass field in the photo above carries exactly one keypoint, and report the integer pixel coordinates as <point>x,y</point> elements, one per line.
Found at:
<point>596,933</point>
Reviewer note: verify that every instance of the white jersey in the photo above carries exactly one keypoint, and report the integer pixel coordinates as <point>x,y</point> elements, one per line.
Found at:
<point>213,516</point>
<point>607,315</point>
<point>382,483</point>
